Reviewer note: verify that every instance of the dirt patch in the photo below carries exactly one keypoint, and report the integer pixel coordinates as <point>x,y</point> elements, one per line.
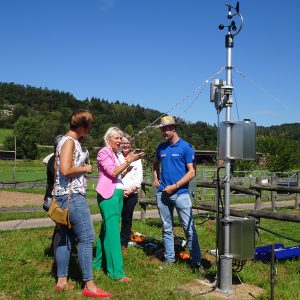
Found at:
<point>206,289</point>
<point>17,199</point>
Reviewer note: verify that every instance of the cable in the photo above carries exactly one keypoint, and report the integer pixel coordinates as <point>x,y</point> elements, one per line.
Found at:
<point>200,88</point>
<point>249,293</point>
<point>277,234</point>
<point>237,265</point>
<point>197,91</point>
<point>275,99</point>
<point>220,199</point>
<point>236,104</point>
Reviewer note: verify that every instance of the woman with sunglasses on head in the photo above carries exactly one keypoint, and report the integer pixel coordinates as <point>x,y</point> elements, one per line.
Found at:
<point>110,191</point>
<point>132,181</point>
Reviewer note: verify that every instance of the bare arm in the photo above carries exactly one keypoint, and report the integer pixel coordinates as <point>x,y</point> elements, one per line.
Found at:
<point>191,173</point>
<point>156,172</point>
<point>66,161</point>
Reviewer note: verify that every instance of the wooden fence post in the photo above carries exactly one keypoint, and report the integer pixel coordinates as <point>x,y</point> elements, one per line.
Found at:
<point>143,211</point>
<point>273,194</point>
<point>258,198</point>
<point>297,201</point>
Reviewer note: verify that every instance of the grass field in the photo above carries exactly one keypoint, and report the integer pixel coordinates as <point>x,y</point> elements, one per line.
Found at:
<point>26,170</point>
<point>32,171</point>
<point>26,259</point>
<point>36,170</point>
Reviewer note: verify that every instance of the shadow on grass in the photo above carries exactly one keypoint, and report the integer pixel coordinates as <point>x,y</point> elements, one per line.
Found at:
<point>74,268</point>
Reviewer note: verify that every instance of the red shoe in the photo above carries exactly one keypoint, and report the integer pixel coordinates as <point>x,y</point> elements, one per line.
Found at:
<point>98,294</point>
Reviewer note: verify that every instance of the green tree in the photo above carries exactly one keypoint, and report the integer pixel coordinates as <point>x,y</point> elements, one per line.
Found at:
<point>148,141</point>
<point>129,129</point>
<point>243,165</point>
<point>26,131</point>
<point>281,154</point>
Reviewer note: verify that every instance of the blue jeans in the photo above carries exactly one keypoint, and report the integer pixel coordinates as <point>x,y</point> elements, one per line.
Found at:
<point>183,205</point>
<point>82,226</point>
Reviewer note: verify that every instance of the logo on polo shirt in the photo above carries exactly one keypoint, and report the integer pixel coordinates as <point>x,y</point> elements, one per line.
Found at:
<point>175,154</point>
<point>163,155</point>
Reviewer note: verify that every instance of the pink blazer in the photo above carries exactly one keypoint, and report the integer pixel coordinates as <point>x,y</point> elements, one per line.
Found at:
<point>106,164</point>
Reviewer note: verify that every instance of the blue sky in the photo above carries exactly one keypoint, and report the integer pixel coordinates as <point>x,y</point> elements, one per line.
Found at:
<point>156,53</point>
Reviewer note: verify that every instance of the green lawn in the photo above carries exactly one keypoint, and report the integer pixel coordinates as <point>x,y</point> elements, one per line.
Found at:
<point>26,260</point>
<point>25,170</point>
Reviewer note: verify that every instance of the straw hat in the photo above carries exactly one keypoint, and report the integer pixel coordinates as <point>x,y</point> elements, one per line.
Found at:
<point>166,121</point>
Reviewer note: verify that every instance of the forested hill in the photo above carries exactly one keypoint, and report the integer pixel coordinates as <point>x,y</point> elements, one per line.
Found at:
<point>48,111</point>
<point>290,131</point>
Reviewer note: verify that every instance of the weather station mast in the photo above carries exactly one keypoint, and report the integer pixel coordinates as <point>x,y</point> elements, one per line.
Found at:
<point>236,141</point>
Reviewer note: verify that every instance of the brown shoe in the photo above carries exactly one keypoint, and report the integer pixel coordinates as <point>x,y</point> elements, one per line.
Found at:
<point>124,250</point>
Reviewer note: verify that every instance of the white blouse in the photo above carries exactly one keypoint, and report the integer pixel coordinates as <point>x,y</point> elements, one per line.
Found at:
<point>135,176</point>
<point>77,182</point>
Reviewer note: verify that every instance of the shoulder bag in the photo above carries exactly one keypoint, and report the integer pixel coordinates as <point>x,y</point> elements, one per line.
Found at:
<point>60,215</point>
<point>56,213</point>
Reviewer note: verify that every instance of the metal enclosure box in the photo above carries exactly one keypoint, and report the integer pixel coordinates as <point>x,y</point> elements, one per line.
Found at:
<point>242,238</point>
<point>243,140</point>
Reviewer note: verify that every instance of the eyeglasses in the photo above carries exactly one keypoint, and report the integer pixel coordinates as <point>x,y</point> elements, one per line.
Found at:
<point>125,143</point>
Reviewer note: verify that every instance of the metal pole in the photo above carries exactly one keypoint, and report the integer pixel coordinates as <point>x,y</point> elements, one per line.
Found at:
<point>225,283</point>
<point>272,273</point>
<point>14,173</point>
<point>224,99</point>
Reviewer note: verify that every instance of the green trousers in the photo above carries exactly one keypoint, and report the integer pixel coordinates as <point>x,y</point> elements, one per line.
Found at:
<point>108,244</point>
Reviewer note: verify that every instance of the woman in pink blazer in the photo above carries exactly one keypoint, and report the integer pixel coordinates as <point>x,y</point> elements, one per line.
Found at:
<point>110,200</point>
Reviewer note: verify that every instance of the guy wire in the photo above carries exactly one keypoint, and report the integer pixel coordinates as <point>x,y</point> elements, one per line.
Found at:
<point>197,91</point>
<point>275,99</point>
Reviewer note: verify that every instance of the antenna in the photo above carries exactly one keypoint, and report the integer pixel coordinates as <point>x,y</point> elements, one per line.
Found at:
<point>237,7</point>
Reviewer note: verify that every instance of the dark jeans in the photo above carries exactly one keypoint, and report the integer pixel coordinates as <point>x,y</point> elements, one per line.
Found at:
<point>127,213</point>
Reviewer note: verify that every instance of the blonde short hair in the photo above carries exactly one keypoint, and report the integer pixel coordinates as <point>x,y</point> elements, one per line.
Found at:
<point>110,132</point>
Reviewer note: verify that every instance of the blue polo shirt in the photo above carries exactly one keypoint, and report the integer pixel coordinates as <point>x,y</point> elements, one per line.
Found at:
<point>174,160</point>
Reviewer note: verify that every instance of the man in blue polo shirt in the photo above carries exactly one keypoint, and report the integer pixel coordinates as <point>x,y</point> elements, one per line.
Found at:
<point>173,169</point>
